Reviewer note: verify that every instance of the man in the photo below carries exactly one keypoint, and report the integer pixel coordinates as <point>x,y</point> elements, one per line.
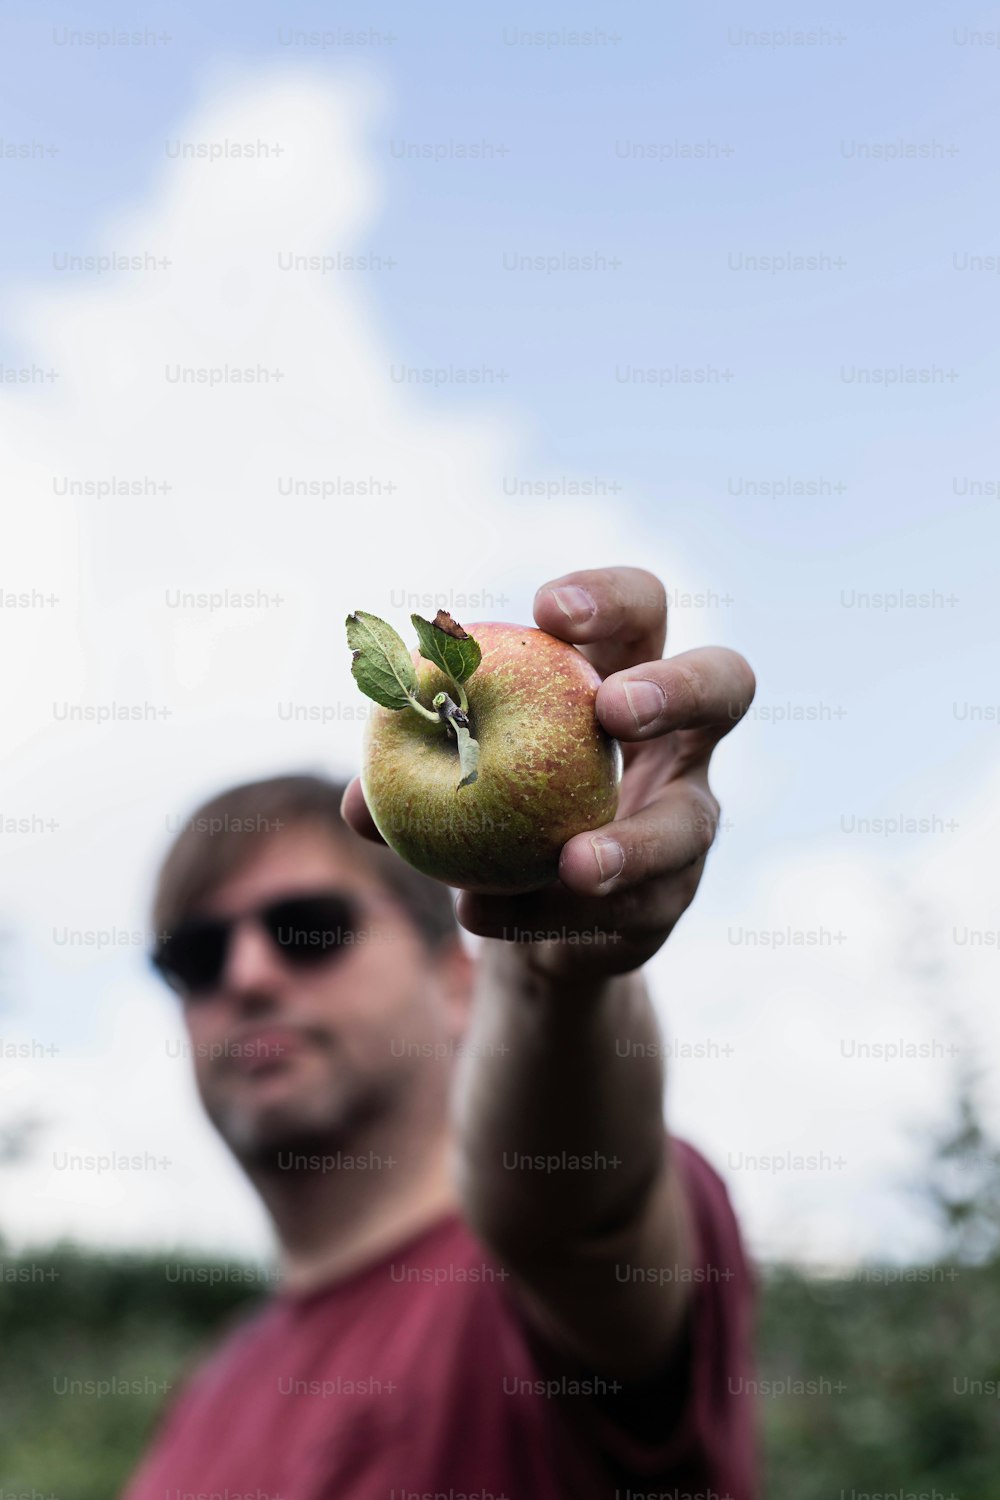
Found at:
<point>501,1276</point>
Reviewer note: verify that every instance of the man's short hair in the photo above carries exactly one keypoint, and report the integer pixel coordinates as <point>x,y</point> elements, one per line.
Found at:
<point>220,836</point>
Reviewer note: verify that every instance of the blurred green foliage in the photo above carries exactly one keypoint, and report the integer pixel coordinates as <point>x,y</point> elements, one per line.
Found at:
<point>895,1353</point>
<point>68,1315</point>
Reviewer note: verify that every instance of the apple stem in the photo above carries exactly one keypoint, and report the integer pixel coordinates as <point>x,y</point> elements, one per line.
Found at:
<point>415,703</point>
<point>457,721</point>
<point>449,711</point>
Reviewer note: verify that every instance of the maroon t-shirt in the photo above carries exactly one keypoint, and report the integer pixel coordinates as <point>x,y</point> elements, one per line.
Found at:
<point>418,1378</point>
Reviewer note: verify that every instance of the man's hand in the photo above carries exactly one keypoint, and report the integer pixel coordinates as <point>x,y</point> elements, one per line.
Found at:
<point>624,886</point>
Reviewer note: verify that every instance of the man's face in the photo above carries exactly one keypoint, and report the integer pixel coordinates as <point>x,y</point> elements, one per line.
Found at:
<point>289,1055</point>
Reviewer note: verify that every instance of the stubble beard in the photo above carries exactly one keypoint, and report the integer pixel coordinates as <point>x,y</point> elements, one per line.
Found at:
<point>281,1142</point>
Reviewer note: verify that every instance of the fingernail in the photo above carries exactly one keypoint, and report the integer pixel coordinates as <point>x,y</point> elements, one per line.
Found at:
<point>575,603</point>
<point>646,700</point>
<point>610,858</point>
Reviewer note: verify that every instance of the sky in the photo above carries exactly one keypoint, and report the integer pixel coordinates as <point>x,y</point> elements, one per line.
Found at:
<point>711,293</point>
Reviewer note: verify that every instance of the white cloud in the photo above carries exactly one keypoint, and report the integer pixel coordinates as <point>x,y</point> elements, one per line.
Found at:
<point>114,561</point>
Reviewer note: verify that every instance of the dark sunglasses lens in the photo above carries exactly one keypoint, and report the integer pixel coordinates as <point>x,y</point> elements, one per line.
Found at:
<point>308,929</point>
<point>193,957</point>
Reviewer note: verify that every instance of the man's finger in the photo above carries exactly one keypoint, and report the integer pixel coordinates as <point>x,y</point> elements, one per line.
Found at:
<point>662,839</point>
<point>617,616</point>
<point>354,811</point>
<point>606,933</point>
<point>710,688</point>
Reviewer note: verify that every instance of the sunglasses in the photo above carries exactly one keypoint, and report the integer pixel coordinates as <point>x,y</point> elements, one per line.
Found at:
<point>307,930</point>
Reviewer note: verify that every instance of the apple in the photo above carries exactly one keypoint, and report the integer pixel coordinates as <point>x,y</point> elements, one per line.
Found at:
<point>485,753</point>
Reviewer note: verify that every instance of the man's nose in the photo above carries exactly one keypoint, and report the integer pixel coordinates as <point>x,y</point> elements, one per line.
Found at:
<point>253,963</point>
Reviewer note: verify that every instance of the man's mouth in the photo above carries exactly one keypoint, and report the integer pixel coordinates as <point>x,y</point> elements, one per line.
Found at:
<point>266,1049</point>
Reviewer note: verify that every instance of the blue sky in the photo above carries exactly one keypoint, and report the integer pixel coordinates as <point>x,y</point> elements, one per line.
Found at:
<point>791,134</point>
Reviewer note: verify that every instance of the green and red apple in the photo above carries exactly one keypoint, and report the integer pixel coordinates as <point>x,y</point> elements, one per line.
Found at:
<point>485,753</point>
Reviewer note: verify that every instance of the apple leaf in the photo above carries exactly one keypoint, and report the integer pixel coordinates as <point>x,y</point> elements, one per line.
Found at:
<point>381,667</point>
<point>468,755</point>
<point>447,645</point>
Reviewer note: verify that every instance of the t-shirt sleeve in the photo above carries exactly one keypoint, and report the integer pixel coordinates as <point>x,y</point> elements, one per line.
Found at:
<point>694,1415</point>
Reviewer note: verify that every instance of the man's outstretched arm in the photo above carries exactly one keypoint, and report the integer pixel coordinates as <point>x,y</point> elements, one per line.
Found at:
<point>565,1168</point>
